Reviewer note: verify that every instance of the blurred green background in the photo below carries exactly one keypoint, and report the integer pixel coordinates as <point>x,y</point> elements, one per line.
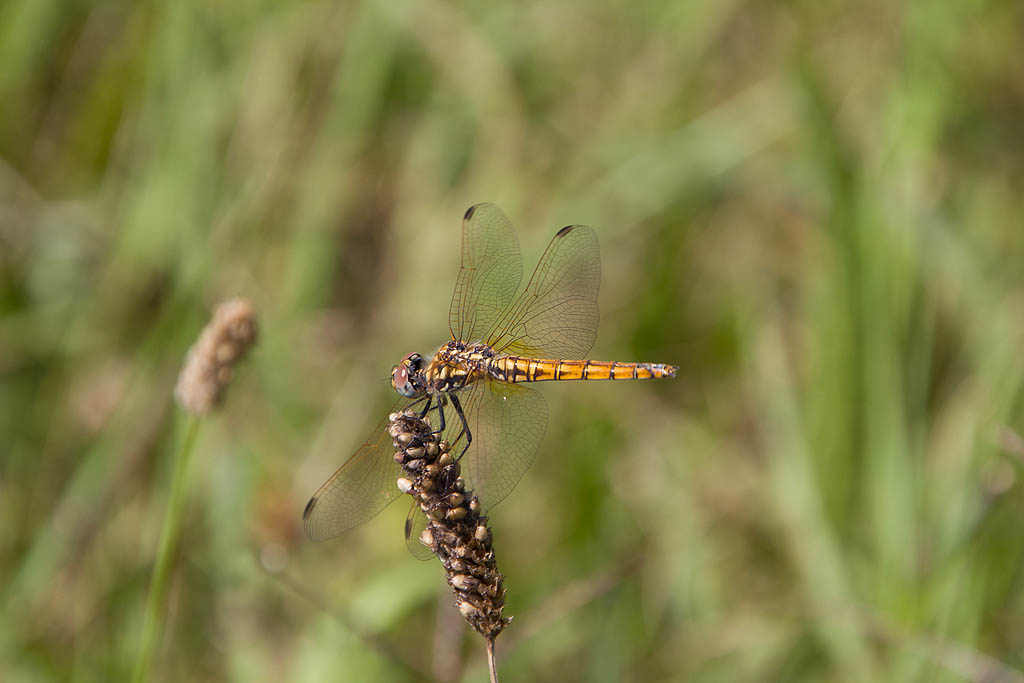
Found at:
<point>814,209</point>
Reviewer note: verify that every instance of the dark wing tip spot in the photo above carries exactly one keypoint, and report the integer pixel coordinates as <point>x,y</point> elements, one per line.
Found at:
<point>469,212</point>
<point>564,231</point>
<point>309,508</point>
<point>408,527</point>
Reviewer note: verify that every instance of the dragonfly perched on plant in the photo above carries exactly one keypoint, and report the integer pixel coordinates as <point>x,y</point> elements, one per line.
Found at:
<point>473,387</point>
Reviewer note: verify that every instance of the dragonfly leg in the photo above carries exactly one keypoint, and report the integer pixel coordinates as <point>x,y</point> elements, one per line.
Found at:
<point>426,408</point>
<point>440,414</point>
<point>465,425</point>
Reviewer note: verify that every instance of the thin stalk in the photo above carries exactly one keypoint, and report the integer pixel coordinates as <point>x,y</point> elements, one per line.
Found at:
<point>155,607</point>
<point>492,665</point>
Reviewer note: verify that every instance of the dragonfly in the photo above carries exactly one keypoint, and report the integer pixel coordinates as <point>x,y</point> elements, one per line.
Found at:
<point>475,385</point>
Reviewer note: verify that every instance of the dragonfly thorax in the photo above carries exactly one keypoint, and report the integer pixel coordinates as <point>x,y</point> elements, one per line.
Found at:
<point>457,364</point>
<point>453,366</point>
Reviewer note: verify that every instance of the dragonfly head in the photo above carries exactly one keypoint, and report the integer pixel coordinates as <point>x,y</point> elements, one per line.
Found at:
<point>407,377</point>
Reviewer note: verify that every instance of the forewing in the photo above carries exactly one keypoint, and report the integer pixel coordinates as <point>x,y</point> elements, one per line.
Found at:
<point>489,277</point>
<point>360,489</point>
<point>415,523</point>
<point>557,315</point>
<point>507,422</point>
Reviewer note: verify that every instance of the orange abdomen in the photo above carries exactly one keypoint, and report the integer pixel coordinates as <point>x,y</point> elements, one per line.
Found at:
<point>516,369</point>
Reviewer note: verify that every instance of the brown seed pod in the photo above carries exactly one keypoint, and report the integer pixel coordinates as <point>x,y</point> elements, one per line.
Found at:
<point>457,532</point>
<point>455,514</point>
<point>223,342</point>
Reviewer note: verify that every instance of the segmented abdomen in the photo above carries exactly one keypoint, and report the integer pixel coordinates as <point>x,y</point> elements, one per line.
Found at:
<point>516,369</point>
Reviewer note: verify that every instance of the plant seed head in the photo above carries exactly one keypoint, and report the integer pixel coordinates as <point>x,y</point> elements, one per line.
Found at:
<point>463,582</point>
<point>455,514</point>
<point>207,370</point>
<point>468,610</point>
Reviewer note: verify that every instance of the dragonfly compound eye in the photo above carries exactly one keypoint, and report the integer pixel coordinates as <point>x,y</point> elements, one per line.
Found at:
<point>402,378</point>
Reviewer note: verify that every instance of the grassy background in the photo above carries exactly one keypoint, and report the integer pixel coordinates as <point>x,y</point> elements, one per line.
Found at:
<point>813,208</point>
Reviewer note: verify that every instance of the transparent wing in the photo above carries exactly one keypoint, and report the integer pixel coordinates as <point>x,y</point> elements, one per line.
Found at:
<point>415,523</point>
<point>489,277</point>
<point>557,315</point>
<point>360,489</point>
<point>507,422</point>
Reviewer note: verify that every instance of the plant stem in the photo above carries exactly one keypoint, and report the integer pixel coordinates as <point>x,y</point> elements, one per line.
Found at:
<point>155,607</point>
<point>492,665</point>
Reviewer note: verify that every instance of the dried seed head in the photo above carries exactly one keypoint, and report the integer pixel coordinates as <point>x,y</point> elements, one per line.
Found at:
<point>468,610</point>
<point>222,343</point>
<point>457,532</point>
<point>462,582</point>
<point>455,514</point>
